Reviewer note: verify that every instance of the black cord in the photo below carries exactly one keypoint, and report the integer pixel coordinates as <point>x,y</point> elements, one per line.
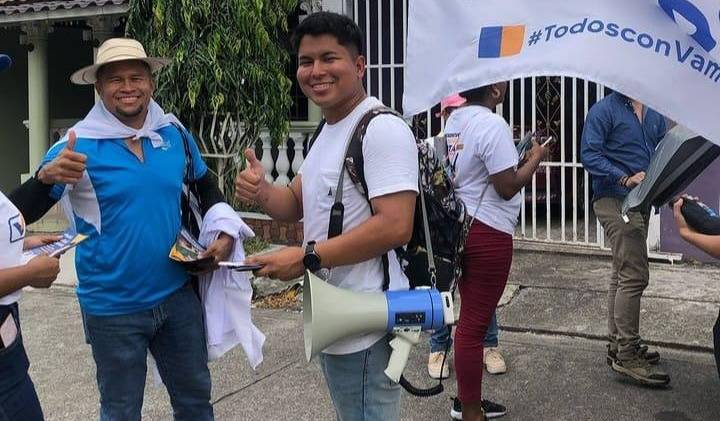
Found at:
<point>435,390</point>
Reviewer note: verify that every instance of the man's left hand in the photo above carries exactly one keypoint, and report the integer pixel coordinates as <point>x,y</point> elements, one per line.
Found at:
<point>39,240</point>
<point>635,179</point>
<point>285,264</point>
<point>221,248</point>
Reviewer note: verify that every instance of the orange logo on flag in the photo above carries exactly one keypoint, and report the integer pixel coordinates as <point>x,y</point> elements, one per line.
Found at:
<point>501,41</point>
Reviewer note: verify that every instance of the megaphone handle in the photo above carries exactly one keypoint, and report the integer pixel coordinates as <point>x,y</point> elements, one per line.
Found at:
<point>402,344</point>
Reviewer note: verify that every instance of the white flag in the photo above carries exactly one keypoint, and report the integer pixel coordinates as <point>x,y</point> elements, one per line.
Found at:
<point>664,53</point>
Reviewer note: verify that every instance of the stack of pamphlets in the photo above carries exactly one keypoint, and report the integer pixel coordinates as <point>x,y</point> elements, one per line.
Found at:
<point>527,143</point>
<point>187,250</point>
<point>67,241</point>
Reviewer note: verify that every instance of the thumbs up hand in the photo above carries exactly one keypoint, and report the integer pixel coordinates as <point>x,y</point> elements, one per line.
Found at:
<point>67,168</point>
<point>250,184</point>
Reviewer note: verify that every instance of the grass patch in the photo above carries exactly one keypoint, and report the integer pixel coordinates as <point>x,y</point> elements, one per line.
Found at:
<point>255,245</point>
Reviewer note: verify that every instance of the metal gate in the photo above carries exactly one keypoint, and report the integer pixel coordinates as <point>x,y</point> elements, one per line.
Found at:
<point>557,206</point>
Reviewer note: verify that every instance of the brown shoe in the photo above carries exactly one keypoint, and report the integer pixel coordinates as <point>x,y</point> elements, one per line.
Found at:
<point>639,369</point>
<point>653,357</point>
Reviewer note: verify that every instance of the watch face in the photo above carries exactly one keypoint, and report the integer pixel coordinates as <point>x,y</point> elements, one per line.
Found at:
<point>311,261</point>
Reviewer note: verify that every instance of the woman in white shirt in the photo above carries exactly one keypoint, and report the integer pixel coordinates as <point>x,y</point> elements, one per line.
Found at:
<point>18,400</point>
<point>488,180</point>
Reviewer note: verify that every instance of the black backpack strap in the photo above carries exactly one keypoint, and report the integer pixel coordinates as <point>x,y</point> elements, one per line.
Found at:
<point>355,166</point>
<point>190,215</point>
<point>187,210</point>
<point>314,136</point>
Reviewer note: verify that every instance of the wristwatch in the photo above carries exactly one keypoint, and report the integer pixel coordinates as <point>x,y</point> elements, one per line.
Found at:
<point>311,261</point>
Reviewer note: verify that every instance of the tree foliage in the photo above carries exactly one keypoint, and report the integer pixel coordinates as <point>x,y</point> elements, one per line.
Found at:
<point>227,59</point>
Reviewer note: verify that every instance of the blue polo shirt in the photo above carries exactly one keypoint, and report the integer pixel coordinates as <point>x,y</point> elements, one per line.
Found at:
<point>615,143</point>
<point>130,209</point>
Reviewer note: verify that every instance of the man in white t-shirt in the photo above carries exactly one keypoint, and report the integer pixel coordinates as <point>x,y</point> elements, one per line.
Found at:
<point>330,72</point>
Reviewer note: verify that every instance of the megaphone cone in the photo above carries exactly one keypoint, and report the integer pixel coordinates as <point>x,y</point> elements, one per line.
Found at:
<point>331,313</point>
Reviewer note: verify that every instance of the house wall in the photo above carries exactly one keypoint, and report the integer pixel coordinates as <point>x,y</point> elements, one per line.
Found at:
<point>707,189</point>
<point>66,53</point>
<point>13,110</point>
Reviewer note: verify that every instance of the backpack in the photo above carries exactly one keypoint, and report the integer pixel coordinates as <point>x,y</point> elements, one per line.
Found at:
<point>433,257</point>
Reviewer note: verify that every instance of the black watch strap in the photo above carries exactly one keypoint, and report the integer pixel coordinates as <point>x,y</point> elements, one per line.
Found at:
<point>311,261</point>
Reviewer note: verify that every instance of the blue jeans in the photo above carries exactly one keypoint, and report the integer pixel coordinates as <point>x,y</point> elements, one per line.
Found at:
<point>441,337</point>
<point>175,334</point>
<point>359,388</point>
<point>18,399</point>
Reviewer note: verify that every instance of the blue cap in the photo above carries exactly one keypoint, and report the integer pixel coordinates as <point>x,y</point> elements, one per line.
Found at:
<point>5,62</point>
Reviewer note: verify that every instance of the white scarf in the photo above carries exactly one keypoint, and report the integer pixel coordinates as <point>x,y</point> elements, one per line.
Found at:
<point>102,124</point>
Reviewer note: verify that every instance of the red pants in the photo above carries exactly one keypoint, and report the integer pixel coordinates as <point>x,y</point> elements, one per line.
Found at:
<point>486,265</point>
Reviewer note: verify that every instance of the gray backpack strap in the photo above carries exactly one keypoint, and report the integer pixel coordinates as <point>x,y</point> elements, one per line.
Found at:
<point>353,164</point>
<point>314,136</point>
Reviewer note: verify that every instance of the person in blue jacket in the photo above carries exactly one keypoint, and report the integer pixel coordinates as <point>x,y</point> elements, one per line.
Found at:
<point>618,140</point>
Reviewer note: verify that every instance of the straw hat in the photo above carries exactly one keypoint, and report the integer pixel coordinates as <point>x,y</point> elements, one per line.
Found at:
<point>5,62</point>
<point>116,49</point>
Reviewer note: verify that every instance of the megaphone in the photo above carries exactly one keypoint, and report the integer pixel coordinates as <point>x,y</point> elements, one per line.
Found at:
<point>331,313</point>
<point>678,160</point>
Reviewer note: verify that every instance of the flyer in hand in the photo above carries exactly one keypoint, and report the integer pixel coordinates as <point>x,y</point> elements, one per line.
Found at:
<point>67,241</point>
<point>187,250</point>
<point>241,266</point>
<point>524,145</point>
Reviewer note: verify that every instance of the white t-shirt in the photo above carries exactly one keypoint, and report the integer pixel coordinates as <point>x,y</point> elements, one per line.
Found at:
<point>391,166</point>
<point>12,236</point>
<point>480,145</point>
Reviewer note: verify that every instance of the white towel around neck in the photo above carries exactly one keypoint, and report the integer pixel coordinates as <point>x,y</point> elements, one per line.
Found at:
<point>102,124</point>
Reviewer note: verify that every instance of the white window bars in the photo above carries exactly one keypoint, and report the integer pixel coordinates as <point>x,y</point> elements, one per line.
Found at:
<point>557,206</point>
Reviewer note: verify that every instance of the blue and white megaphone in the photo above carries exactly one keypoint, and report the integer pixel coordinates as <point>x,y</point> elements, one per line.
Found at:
<point>332,313</point>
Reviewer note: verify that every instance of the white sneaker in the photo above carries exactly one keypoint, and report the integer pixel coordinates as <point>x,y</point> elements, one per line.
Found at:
<point>494,361</point>
<point>435,362</point>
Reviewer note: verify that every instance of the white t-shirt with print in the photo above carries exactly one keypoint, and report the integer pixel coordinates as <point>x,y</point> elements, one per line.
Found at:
<point>480,145</point>
<point>12,236</point>
<point>391,166</point>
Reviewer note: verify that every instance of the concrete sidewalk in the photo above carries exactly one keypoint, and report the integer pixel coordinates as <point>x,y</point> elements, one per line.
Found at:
<point>549,377</point>
<point>552,318</point>
<point>566,295</point>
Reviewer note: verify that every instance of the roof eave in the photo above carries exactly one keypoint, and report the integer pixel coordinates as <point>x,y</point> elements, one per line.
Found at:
<point>63,14</point>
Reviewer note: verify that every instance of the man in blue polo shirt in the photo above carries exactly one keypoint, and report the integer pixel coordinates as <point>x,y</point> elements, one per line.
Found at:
<point>618,141</point>
<point>121,172</point>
